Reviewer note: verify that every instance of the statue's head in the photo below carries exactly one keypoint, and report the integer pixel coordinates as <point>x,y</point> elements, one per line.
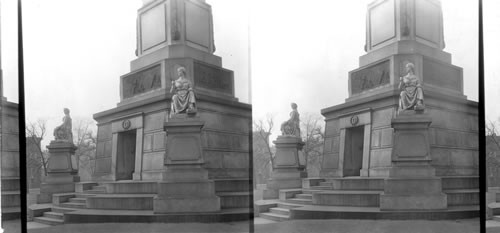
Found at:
<point>410,67</point>
<point>181,71</point>
<point>294,106</point>
<point>66,111</point>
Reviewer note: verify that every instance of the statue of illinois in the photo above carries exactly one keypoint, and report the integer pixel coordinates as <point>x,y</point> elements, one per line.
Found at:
<point>63,132</point>
<point>412,95</point>
<point>291,127</point>
<point>183,99</point>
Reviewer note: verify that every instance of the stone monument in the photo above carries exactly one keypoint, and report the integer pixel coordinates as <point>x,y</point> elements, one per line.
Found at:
<point>131,138</point>
<point>287,169</point>
<point>404,59</point>
<point>62,169</point>
<point>404,144</point>
<point>185,186</point>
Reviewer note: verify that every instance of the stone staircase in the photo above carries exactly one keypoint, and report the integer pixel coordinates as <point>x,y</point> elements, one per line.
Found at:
<point>11,198</point>
<point>357,194</point>
<point>68,202</point>
<point>101,201</point>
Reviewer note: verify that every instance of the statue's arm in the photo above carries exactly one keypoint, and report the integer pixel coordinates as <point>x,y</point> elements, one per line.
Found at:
<point>172,86</point>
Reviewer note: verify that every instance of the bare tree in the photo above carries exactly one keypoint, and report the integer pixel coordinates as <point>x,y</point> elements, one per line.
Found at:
<point>262,149</point>
<point>313,136</point>
<point>35,133</point>
<point>86,141</point>
<point>263,131</point>
<point>492,152</point>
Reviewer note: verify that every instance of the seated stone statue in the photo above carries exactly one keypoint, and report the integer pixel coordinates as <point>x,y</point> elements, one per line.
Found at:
<point>412,95</point>
<point>63,132</point>
<point>183,101</point>
<point>291,127</point>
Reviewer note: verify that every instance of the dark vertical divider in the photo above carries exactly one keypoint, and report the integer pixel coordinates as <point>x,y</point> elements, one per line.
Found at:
<point>22,130</point>
<point>482,144</point>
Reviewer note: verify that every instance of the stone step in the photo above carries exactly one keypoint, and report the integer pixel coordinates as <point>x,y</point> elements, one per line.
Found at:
<point>288,205</point>
<point>54,215</point>
<point>374,213</point>
<point>299,201</point>
<point>59,198</point>
<point>11,213</point>
<point>234,199</point>
<point>282,211</point>
<point>312,181</point>
<point>263,206</point>
<point>78,200</point>
<point>94,191</point>
<point>311,191</point>
<point>347,198</point>
<point>496,218</point>
<point>462,197</point>
<point>143,216</point>
<point>274,217</point>
<point>48,221</point>
<point>73,205</point>
<point>121,202</point>
<point>304,196</point>
<point>321,187</point>
<point>460,182</point>
<point>84,195</point>
<point>62,210</point>
<point>288,193</point>
<point>131,187</point>
<point>83,186</point>
<point>357,183</point>
<point>11,198</point>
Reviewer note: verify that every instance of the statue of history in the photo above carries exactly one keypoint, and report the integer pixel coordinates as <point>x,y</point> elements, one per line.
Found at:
<point>291,127</point>
<point>63,132</point>
<point>183,101</point>
<point>412,95</point>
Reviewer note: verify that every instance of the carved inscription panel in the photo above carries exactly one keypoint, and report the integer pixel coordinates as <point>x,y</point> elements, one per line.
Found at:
<point>370,77</point>
<point>213,78</point>
<point>142,81</point>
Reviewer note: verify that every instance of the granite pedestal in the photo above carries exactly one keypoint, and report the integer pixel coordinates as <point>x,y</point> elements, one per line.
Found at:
<point>287,170</point>
<point>62,170</point>
<point>412,183</point>
<point>185,186</point>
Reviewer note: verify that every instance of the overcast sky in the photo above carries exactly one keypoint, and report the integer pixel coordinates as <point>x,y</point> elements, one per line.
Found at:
<point>302,52</point>
<point>8,20</point>
<point>491,59</point>
<point>75,51</point>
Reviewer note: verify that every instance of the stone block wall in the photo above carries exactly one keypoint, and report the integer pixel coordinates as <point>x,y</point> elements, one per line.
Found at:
<point>225,137</point>
<point>10,140</point>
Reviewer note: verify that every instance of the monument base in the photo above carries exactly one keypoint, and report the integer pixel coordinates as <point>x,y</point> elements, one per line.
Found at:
<point>412,183</point>
<point>62,171</point>
<point>185,187</point>
<point>288,171</point>
<point>413,201</point>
